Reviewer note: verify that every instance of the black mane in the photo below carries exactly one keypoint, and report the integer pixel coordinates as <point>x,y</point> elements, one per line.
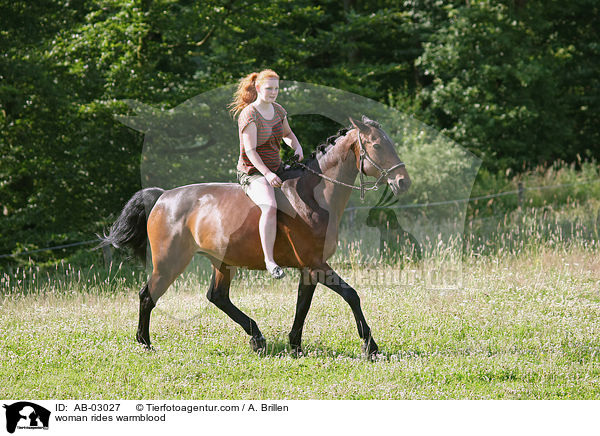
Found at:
<point>322,148</point>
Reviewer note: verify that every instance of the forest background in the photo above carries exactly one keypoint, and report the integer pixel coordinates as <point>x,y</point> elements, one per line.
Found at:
<point>514,81</point>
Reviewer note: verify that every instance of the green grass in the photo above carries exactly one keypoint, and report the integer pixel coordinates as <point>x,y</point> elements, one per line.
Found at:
<point>520,326</point>
<point>520,321</point>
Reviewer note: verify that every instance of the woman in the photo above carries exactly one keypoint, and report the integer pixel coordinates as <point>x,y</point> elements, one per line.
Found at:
<point>262,124</point>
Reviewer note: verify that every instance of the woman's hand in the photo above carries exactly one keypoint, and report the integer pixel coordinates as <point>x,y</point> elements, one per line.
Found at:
<point>273,180</point>
<point>298,153</point>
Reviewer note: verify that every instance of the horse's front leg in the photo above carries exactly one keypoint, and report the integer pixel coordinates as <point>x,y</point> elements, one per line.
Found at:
<point>306,290</point>
<point>218,294</point>
<point>333,281</point>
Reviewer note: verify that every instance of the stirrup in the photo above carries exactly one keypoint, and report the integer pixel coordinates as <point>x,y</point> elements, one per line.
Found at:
<point>277,272</point>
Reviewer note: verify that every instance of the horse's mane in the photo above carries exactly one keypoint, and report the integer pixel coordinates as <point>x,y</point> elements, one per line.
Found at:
<point>322,149</point>
<point>329,143</point>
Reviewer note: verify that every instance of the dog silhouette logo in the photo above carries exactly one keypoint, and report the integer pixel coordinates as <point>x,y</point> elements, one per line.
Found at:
<point>26,415</point>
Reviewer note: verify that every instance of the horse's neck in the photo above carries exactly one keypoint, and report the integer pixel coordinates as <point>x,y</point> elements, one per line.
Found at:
<point>336,166</point>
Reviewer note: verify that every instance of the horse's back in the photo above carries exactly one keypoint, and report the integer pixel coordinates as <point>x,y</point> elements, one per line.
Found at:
<point>227,197</point>
<point>199,214</point>
<point>184,199</point>
<point>220,220</point>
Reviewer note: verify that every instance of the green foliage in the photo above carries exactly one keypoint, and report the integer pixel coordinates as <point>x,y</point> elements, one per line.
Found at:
<point>503,82</point>
<point>515,82</point>
<point>555,186</point>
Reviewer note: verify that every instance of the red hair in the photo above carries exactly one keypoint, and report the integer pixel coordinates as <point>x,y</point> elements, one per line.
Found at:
<point>246,91</point>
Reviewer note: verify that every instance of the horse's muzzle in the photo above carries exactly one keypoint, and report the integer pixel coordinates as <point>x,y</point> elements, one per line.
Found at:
<point>399,185</point>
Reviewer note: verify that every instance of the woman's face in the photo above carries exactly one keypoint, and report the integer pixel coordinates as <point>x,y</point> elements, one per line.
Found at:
<point>268,89</point>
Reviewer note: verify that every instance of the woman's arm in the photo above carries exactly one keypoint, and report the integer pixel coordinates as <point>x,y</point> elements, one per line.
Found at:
<point>249,141</point>
<point>290,139</point>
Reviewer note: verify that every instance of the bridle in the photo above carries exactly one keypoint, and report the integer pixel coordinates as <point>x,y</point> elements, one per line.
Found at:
<point>363,155</point>
<point>361,161</point>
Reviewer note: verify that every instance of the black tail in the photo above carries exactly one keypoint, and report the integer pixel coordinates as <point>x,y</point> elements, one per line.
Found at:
<point>129,230</point>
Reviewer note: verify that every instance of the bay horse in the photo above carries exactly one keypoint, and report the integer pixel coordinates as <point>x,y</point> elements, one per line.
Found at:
<point>220,221</point>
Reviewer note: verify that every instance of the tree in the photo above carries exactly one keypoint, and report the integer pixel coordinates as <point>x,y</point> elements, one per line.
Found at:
<point>501,83</point>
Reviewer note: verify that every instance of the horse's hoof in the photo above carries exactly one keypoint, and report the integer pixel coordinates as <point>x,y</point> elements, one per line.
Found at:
<point>296,352</point>
<point>370,349</point>
<point>258,343</point>
<point>144,341</point>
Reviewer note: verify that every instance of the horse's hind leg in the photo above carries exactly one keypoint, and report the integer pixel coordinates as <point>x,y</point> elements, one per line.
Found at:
<point>155,287</point>
<point>168,261</point>
<point>218,294</point>
<point>146,306</point>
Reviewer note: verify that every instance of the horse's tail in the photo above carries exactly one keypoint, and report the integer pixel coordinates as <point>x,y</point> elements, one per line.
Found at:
<point>129,230</point>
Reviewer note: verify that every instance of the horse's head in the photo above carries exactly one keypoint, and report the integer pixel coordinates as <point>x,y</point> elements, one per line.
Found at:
<point>379,157</point>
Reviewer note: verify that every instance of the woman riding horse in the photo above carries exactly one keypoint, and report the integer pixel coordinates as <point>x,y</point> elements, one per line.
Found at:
<point>262,124</point>
<point>219,221</point>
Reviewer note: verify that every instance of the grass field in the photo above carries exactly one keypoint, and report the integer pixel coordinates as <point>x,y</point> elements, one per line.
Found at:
<point>521,322</point>
<point>520,326</point>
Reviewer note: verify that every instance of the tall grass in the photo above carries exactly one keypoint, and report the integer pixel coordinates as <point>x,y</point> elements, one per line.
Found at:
<point>555,186</point>
<point>522,323</point>
<point>519,327</point>
<point>529,229</point>
<point>68,279</point>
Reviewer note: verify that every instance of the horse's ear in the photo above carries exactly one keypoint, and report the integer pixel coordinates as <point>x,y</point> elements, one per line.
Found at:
<point>353,146</point>
<point>357,124</point>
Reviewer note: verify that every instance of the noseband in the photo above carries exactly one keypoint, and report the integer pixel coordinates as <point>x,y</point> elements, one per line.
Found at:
<point>363,155</point>
<point>361,162</point>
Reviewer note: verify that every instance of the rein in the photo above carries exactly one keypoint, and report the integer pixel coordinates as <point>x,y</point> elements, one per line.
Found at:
<point>361,161</point>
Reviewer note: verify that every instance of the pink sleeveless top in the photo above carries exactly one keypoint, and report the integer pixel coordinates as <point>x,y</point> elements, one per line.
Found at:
<point>268,138</point>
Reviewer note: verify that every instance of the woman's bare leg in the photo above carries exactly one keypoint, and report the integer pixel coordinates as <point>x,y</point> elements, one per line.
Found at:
<point>263,195</point>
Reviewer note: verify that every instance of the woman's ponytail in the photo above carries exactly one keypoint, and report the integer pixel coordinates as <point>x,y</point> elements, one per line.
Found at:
<point>246,91</point>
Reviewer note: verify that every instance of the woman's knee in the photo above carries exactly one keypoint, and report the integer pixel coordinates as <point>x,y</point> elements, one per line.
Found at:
<point>263,195</point>
<point>268,210</point>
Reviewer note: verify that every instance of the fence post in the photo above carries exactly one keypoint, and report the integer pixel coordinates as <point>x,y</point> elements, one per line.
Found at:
<point>521,194</point>
<point>107,253</point>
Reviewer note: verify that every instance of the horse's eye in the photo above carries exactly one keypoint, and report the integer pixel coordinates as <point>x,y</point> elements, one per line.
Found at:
<point>376,146</point>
